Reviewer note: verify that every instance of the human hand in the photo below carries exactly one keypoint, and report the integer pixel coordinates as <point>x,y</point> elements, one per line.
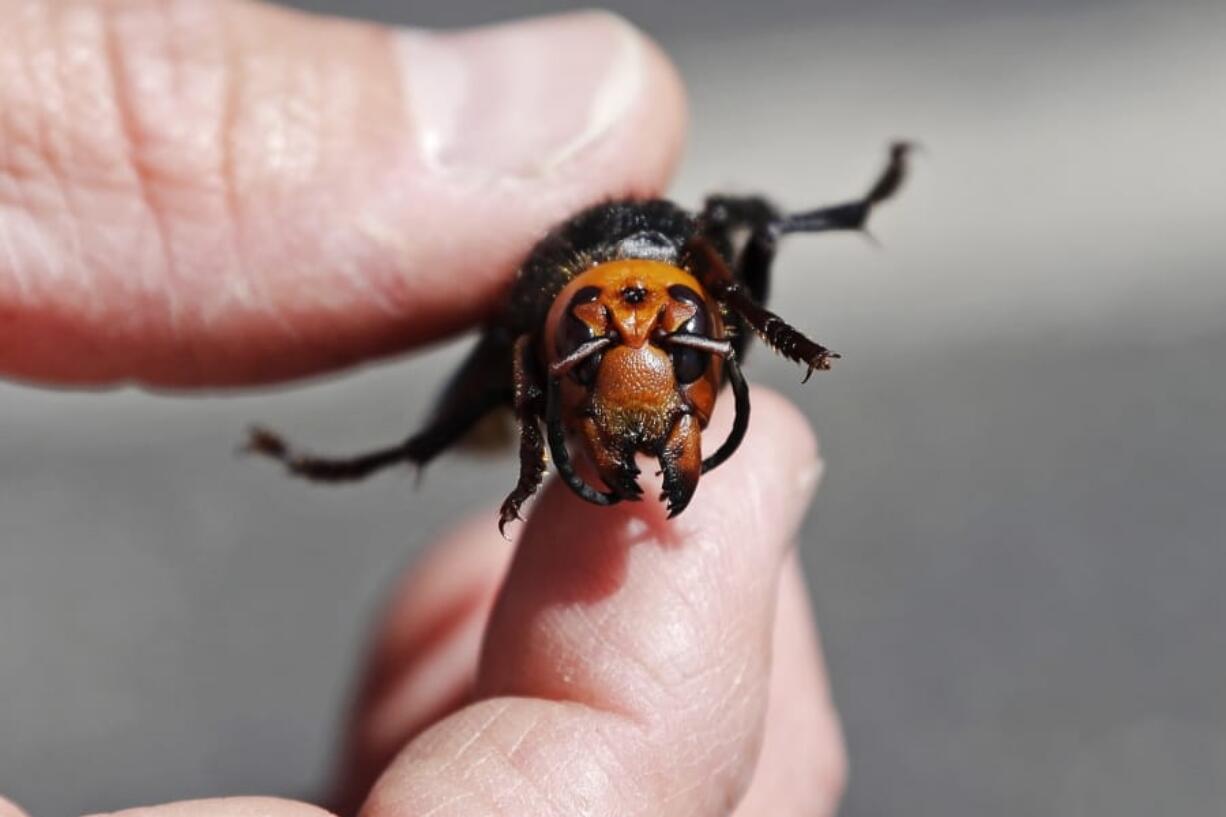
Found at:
<point>212,194</point>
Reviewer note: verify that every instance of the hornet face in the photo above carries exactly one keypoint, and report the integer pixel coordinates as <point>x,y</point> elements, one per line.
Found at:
<point>635,352</point>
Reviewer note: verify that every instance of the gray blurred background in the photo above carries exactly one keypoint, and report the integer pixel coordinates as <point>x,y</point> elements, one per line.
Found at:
<point>1019,553</point>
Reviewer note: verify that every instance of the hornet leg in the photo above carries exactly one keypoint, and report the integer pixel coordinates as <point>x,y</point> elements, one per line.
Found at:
<point>853,215</point>
<point>713,272</point>
<point>723,216</point>
<point>478,388</point>
<point>528,399</point>
<point>561,454</point>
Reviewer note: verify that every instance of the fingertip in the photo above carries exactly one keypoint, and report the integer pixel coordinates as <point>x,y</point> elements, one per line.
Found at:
<point>633,564</point>
<point>618,629</point>
<point>625,612</point>
<point>540,99</point>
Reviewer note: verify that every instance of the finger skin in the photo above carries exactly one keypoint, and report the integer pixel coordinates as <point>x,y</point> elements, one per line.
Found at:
<point>423,675</point>
<point>802,770</point>
<point>9,809</point>
<point>424,653</point>
<point>227,807</point>
<point>625,667</point>
<point>223,193</point>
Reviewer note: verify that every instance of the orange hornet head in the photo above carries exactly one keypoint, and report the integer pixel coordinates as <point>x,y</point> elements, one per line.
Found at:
<point>635,351</point>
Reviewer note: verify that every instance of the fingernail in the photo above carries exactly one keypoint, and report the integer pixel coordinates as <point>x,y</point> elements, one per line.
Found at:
<point>520,100</point>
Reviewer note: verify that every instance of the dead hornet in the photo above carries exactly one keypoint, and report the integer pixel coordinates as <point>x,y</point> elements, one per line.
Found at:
<point>620,328</point>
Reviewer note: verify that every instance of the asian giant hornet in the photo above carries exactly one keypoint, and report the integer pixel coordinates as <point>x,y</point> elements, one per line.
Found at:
<point>617,334</point>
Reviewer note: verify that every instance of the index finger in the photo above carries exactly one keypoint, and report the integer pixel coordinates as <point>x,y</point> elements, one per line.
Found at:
<point>225,193</point>
<point>626,663</point>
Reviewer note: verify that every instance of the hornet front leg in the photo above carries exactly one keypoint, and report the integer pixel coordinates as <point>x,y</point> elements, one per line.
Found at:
<point>777,333</point>
<point>529,398</point>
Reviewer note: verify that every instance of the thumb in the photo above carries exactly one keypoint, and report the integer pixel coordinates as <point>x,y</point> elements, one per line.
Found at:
<point>224,193</point>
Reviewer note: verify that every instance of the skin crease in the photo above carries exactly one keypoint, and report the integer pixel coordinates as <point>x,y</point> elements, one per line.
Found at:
<point>608,662</point>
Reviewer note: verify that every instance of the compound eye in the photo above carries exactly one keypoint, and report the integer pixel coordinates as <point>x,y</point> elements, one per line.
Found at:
<point>575,332</point>
<point>699,324</point>
<point>690,364</point>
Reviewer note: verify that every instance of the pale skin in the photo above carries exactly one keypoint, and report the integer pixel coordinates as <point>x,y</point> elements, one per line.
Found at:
<point>167,217</point>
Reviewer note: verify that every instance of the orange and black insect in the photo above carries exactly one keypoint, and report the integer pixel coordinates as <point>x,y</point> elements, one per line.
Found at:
<point>618,332</point>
